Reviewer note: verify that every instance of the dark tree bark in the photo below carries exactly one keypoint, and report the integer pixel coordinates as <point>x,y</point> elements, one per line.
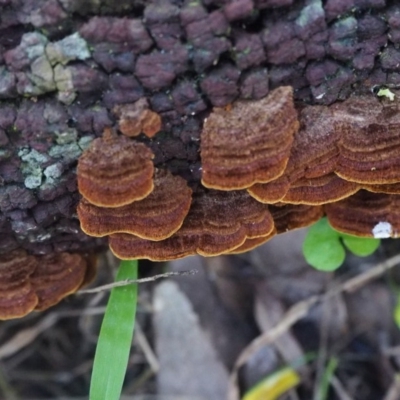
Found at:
<point>64,65</point>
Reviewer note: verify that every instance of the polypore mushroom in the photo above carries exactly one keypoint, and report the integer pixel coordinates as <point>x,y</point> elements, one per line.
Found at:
<point>317,191</point>
<point>370,141</point>
<point>115,171</point>
<point>249,142</point>
<point>217,223</point>
<point>137,118</point>
<point>56,276</point>
<point>17,297</point>
<point>289,216</point>
<point>366,214</point>
<point>309,177</point>
<point>156,217</point>
<point>393,188</point>
<point>30,283</point>
<point>252,243</point>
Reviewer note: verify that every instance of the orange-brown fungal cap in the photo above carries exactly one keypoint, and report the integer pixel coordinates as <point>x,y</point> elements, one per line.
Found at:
<point>115,171</point>
<point>290,216</point>
<point>271,192</point>
<point>137,118</point>
<point>252,243</point>
<point>57,275</point>
<point>126,247</point>
<point>30,283</point>
<point>17,298</point>
<point>366,214</point>
<point>318,191</point>
<point>156,217</point>
<point>313,155</point>
<point>217,223</point>
<point>391,188</point>
<point>248,143</point>
<point>92,261</point>
<point>369,149</point>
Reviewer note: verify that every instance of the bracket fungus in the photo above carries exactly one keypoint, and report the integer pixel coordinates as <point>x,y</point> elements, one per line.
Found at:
<point>252,243</point>
<point>56,276</point>
<point>267,169</point>
<point>248,142</point>
<point>391,188</point>
<point>316,191</point>
<point>115,171</point>
<point>30,283</point>
<point>218,222</point>
<point>289,216</point>
<point>366,214</point>
<point>370,142</point>
<point>309,176</point>
<point>17,297</point>
<point>156,217</point>
<point>339,150</point>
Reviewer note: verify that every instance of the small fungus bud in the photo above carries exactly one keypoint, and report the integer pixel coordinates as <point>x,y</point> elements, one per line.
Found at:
<point>137,118</point>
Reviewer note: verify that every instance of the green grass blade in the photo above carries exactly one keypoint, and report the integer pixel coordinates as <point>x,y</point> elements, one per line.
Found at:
<point>113,346</point>
<point>325,382</point>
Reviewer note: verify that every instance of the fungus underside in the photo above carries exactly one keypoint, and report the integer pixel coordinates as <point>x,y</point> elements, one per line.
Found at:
<point>114,342</point>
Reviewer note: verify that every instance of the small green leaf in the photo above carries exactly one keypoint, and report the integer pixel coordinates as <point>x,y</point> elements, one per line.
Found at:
<point>115,337</point>
<point>385,92</point>
<point>322,248</point>
<point>360,246</point>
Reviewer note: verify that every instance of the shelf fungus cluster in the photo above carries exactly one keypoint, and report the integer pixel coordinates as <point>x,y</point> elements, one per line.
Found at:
<point>29,283</point>
<point>149,213</point>
<point>342,160</point>
<point>123,195</point>
<point>267,168</point>
<point>218,223</point>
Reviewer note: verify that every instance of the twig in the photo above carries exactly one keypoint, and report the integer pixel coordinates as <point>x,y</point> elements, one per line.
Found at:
<point>26,336</point>
<point>146,348</point>
<point>298,311</point>
<point>339,389</point>
<point>322,353</point>
<point>126,282</point>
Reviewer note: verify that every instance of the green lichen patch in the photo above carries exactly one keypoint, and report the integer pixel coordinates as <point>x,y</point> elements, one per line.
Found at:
<point>67,152</point>
<point>67,136</point>
<point>72,47</point>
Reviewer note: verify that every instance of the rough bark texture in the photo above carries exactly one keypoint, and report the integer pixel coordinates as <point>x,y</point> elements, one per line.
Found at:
<point>64,65</point>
